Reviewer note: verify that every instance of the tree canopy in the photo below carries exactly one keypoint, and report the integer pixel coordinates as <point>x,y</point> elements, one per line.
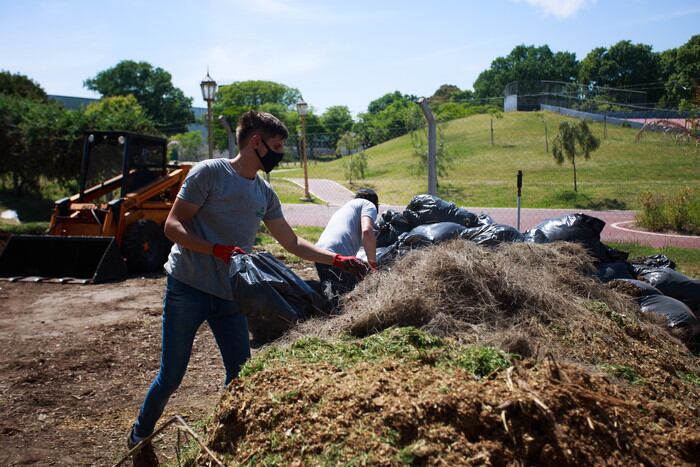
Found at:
<point>394,114</point>
<point>681,70</point>
<point>336,121</point>
<point>525,63</point>
<point>622,65</point>
<point>153,89</point>
<point>19,85</point>
<point>118,113</point>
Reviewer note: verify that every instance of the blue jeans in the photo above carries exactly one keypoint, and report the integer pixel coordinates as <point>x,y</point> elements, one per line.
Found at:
<point>184,310</point>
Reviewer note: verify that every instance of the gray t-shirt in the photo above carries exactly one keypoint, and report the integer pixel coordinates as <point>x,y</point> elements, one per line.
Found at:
<point>343,234</point>
<point>230,210</point>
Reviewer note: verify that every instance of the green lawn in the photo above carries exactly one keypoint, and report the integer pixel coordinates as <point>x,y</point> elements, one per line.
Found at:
<point>290,193</point>
<point>265,241</point>
<point>484,175</point>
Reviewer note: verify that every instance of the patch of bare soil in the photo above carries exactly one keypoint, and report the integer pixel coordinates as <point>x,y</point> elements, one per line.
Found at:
<point>391,413</point>
<point>76,362</point>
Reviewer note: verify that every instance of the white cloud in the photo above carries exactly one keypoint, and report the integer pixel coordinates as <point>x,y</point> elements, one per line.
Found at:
<point>561,9</point>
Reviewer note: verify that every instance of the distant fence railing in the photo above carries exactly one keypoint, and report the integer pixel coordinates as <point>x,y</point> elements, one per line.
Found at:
<point>596,117</point>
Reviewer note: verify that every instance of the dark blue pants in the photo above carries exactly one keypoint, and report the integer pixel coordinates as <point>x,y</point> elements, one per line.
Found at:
<point>341,282</point>
<point>184,311</point>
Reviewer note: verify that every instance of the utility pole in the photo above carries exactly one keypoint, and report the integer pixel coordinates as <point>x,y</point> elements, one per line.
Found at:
<point>432,145</point>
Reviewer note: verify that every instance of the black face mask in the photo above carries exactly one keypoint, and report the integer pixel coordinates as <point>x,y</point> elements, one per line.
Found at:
<point>271,159</point>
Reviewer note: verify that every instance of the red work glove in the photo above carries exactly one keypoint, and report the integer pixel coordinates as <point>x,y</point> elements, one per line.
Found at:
<point>373,265</point>
<point>224,252</point>
<point>351,264</point>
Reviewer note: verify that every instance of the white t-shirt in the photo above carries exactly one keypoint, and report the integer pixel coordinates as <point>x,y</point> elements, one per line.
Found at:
<point>343,234</point>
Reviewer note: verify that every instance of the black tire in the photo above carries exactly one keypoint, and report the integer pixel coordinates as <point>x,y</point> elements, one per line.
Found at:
<point>145,246</point>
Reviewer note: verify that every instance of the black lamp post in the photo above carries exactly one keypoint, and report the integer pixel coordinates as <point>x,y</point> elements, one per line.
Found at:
<point>208,86</point>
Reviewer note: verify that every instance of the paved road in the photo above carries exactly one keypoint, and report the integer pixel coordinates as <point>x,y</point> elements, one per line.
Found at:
<point>619,224</point>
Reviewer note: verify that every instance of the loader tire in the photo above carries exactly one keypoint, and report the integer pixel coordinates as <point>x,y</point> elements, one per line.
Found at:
<point>145,246</point>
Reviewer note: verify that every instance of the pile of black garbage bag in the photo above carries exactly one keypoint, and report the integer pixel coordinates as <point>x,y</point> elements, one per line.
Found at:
<point>428,220</point>
<point>274,298</point>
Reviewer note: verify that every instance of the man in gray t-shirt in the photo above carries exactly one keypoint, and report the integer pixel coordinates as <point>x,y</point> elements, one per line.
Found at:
<point>216,215</point>
<point>350,227</point>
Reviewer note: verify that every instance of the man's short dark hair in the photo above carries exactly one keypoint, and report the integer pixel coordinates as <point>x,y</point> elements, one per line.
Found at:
<point>263,122</point>
<point>368,194</point>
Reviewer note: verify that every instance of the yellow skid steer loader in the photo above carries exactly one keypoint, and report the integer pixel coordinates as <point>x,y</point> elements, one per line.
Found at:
<point>114,225</point>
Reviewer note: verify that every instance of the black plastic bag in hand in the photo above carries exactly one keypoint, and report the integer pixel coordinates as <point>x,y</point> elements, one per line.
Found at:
<point>271,296</point>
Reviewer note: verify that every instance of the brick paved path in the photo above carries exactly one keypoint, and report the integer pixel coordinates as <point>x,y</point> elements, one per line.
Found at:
<point>619,224</point>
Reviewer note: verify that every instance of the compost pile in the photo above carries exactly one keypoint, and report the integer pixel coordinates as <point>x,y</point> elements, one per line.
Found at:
<point>593,378</point>
<point>393,413</point>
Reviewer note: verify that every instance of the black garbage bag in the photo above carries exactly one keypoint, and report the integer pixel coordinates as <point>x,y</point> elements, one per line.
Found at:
<point>485,219</point>
<point>614,270</point>
<point>674,284</point>
<point>644,264</point>
<point>584,229</point>
<point>535,236</point>
<point>492,234</point>
<point>430,234</point>
<point>428,209</point>
<point>676,312</point>
<point>387,254</point>
<point>390,226</point>
<point>653,262</point>
<point>644,287</point>
<point>271,296</point>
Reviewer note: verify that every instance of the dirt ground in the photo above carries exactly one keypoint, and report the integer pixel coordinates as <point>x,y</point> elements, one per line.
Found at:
<point>76,362</point>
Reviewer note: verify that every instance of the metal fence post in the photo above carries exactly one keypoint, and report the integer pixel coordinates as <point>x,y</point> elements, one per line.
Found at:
<point>432,145</point>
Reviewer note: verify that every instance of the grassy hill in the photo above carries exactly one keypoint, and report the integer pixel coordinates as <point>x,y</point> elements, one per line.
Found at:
<point>484,175</point>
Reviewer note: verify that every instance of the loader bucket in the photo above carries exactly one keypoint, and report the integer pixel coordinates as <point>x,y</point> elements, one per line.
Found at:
<point>68,259</point>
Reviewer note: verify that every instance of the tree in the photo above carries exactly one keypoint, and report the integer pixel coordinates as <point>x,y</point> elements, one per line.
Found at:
<point>574,139</point>
<point>445,93</point>
<point>19,85</point>
<point>118,113</point>
<point>38,139</point>
<point>233,100</point>
<point>681,70</point>
<point>443,157</point>
<point>541,118</point>
<point>336,121</point>
<point>153,89</point>
<point>188,146</point>
<point>525,63</point>
<point>378,105</point>
<point>355,164</point>
<point>497,114</point>
<point>388,117</point>
<point>622,65</point>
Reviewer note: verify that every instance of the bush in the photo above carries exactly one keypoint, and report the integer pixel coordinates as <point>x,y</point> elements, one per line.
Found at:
<point>679,211</point>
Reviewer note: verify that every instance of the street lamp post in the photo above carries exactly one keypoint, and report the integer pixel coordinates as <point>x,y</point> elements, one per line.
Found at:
<point>208,86</point>
<point>302,108</point>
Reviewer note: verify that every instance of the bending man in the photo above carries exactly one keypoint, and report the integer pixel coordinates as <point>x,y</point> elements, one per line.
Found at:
<point>350,227</point>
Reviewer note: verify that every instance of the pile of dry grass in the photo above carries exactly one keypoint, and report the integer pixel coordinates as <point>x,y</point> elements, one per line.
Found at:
<point>526,299</point>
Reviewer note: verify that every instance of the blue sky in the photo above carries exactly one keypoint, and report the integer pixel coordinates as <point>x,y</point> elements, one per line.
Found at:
<point>335,53</point>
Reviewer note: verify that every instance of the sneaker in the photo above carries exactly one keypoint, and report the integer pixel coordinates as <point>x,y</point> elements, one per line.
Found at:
<point>144,457</point>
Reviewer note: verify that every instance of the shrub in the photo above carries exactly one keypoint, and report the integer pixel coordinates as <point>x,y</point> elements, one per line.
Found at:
<point>679,211</point>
